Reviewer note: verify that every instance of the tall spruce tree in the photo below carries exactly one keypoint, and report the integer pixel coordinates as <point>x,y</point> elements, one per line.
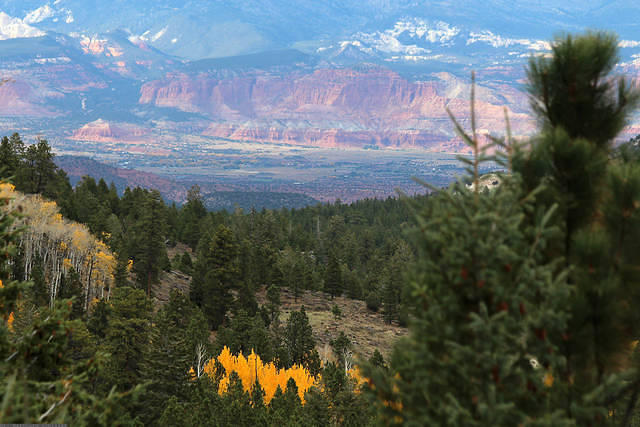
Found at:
<point>582,107</point>
<point>216,274</point>
<point>487,311</point>
<point>333,277</point>
<point>496,284</point>
<point>149,251</point>
<point>127,337</point>
<point>169,357</point>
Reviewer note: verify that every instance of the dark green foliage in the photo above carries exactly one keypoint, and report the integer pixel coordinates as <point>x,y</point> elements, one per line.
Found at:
<point>127,337</point>
<point>273,305</point>
<point>121,275</point>
<point>299,341</point>
<point>486,301</point>
<point>286,408</point>
<point>373,301</point>
<point>170,354</point>
<point>216,273</point>
<point>376,360</point>
<point>246,300</point>
<point>316,409</point>
<point>246,334</point>
<point>333,278</point>
<point>190,216</point>
<point>236,405</point>
<point>341,347</point>
<point>71,288</point>
<point>573,89</point>
<point>99,319</point>
<point>149,252</point>
<point>32,168</point>
<point>583,108</point>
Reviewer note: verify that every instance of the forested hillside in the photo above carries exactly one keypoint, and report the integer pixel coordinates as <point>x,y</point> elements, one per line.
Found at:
<point>231,260</point>
<point>520,300</point>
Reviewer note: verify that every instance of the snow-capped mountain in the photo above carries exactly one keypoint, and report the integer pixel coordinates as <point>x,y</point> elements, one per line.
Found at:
<point>331,72</point>
<point>401,30</point>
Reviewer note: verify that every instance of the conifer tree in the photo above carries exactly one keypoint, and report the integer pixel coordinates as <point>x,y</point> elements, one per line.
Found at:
<point>127,337</point>
<point>149,251</point>
<point>488,311</point>
<point>246,334</point>
<point>221,261</point>
<point>333,278</point>
<point>190,217</point>
<point>169,356</point>
<point>71,287</point>
<point>299,341</point>
<point>273,302</point>
<point>98,321</point>
<point>582,107</point>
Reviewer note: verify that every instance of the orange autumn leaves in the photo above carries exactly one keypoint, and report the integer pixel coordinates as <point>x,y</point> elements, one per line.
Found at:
<point>11,317</point>
<point>252,367</point>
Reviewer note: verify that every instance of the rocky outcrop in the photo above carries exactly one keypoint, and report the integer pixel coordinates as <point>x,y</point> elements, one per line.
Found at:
<point>104,131</point>
<point>19,98</point>
<point>337,107</point>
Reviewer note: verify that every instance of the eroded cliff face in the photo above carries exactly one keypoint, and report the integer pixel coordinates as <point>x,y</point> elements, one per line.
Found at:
<point>20,98</point>
<point>338,107</point>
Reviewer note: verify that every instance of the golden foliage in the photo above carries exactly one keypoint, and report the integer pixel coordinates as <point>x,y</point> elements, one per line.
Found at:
<point>548,379</point>
<point>10,321</point>
<point>357,378</point>
<point>61,243</point>
<point>251,368</point>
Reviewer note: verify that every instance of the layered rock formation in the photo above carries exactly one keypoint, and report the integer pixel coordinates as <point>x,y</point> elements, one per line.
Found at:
<point>103,131</point>
<point>337,107</point>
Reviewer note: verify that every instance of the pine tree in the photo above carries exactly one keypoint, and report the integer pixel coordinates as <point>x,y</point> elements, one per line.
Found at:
<point>98,321</point>
<point>316,409</point>
<point>121,275</point>
<point>222,276</point>
<point>38,170</point>
<point>169,357</point>
<point>127,337</point>
<point>487,308</point>
<point>191,216</point>
<point>246,300</point>
<point>299,341</point>
<point>273,305</point>
<point>9,158</point>
<point>246,334</point>
<point>149,251</point>
<point>582,108</point>
<point>285,408</point>
<point>333,278</point>
<point>71,287</point>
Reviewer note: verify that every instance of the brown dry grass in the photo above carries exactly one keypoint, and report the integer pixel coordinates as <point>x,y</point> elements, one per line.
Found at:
<point>366,329</point>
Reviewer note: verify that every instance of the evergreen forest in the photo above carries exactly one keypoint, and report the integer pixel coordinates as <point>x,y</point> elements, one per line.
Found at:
<point>518,302</point>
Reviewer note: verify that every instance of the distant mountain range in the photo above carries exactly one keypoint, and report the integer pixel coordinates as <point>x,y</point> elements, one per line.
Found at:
<point>138,76</point>
<point>197,29</point>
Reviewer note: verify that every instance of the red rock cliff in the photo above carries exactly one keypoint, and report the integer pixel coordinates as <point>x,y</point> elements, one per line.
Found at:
<point>335,107</point>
